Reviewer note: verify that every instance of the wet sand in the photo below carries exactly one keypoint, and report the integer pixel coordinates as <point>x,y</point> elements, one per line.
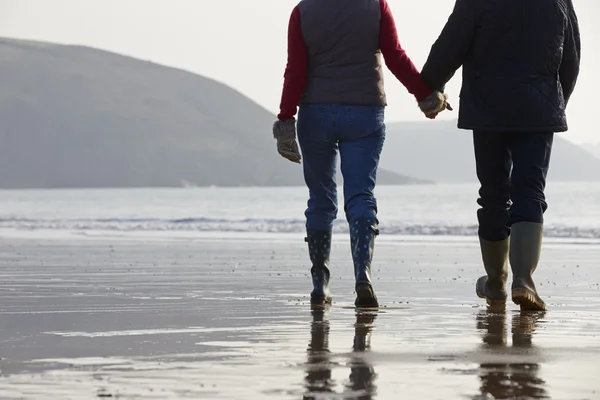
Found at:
<point>229,319</point>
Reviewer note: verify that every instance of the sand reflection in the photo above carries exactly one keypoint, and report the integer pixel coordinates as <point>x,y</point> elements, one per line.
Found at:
<point>319,366</point>
<point>512,379</point>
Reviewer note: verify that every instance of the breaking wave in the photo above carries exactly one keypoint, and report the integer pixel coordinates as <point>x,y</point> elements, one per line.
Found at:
<point>264,226</point>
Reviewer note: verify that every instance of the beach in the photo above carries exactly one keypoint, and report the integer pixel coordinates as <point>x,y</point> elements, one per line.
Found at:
<point>134,316</point>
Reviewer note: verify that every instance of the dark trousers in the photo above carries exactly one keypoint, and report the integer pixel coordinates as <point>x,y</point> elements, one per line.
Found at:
<point>512,170</point>
<point>358,133</point>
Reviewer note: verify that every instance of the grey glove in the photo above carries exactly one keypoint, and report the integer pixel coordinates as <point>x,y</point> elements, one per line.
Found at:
<point>434,104</point>
<point>285,133</point>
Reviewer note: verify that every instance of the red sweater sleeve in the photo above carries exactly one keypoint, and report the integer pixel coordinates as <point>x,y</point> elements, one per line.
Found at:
<point>396,58</point>
<point>296,70</point>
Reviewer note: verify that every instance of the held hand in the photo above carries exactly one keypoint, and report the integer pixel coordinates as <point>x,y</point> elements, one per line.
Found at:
<point>434,104</point>
<point>433,115</point>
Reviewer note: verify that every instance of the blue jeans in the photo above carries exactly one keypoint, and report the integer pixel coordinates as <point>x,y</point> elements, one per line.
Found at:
<point>358,132</point>
<point>512,170</point>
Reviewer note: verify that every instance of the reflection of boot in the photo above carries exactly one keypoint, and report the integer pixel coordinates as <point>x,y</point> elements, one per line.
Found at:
<point>495,378</point>
<point>362,375</point>
<point>526,383</point>
<point>525,250</point>
<point>525,376</point>
<point>508,381</point>
<point>318,375</point>
<point>523,327</point>
<point>362,330</point>
<point>493,326</point>
<point>495,260</point>
<point>319,249</point>
<point>362,239</point>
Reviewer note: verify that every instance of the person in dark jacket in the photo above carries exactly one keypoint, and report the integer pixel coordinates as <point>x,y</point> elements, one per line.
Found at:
<point>520,63</point>
<point>334,72</point>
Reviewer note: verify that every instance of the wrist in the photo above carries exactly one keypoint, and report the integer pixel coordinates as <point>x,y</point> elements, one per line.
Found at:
<point>285,116</point>
<point>423,92</point>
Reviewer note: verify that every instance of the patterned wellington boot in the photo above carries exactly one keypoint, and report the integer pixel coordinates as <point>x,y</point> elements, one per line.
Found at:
<point>362,240</point>
<point>319,248</point>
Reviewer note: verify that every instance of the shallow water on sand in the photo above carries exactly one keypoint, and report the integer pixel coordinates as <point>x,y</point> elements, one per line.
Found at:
<point>214,319</point>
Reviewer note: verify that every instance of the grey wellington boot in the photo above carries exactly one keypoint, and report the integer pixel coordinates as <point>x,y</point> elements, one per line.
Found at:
<point>525,251</point>
<point>495,260</point>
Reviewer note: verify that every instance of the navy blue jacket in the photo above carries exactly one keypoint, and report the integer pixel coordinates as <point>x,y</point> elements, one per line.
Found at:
<point>520,63</point>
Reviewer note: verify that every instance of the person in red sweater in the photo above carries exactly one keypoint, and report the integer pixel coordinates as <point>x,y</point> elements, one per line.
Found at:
<point>334,73</point>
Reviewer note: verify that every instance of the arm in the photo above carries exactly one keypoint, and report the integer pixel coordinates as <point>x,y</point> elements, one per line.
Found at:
<point>450,49</point>
<point>396,58</point>
<point>295,71</point>
<point>569,67</point>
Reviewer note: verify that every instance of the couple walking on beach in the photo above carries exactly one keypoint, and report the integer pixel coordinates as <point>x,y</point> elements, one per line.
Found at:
<point>520,62</point>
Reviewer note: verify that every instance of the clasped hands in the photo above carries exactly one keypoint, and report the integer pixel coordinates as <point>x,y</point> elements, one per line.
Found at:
<point>434,104</point>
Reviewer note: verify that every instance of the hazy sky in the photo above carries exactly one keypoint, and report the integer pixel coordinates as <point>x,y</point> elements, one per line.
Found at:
<point>243,42</point>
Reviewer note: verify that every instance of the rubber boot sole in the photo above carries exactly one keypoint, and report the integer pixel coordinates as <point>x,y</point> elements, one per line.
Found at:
<point>320,301</point>
<point>527,300</point>
<point>365,296</point>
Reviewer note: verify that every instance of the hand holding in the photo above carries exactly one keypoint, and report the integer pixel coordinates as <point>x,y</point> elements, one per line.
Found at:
<point>434,104</point>
<point>434,115</point>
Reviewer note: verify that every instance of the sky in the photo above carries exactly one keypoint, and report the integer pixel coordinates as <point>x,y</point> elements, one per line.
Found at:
<point>242,43</point>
